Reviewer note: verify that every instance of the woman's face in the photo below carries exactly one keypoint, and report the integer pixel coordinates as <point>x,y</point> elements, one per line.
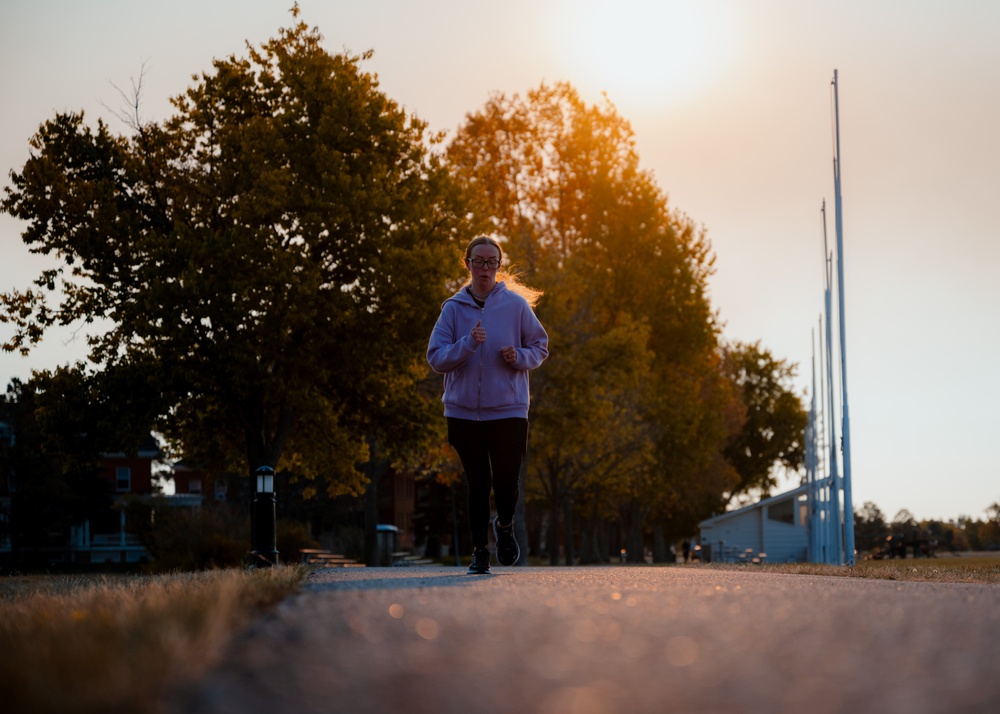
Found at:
<point>485,278</point>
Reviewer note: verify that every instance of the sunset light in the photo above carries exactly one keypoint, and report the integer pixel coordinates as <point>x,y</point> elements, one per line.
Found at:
<point>647,54</point>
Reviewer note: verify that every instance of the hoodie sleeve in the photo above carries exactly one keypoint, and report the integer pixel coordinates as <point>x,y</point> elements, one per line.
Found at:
<point>534,342</point>
<point>447,350</point>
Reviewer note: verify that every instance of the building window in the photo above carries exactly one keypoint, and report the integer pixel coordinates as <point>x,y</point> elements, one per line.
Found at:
<point>782,511</point>
<point>194,485</point>
<point>220,490</point>
<point>123,478</point>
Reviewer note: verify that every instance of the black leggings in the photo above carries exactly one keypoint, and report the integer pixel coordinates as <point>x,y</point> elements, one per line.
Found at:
<point>491,454</point>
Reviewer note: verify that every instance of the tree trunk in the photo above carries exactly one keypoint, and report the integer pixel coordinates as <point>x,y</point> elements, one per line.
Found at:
<point>570,554</point>
<point>377,466</point>
<point>370,501</point>
<point>255,459</point>
<point>590,549</point>
<point>588,542</point>
<point>635,544</point>
<point>602,540</point>
<point>432,546</point>
<point>553,539</point>
<point>660,552</point>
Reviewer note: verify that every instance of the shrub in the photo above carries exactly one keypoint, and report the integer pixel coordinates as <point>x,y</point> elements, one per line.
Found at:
<point>292,536</point>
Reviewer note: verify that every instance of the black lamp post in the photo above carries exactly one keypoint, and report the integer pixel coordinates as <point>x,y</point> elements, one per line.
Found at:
<point>264,537</point>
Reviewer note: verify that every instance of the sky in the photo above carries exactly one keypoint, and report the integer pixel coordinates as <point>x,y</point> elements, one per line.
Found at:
<point>732,107</point>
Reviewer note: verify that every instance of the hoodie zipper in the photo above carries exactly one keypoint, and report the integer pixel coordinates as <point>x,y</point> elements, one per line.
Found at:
<point>482,363</point>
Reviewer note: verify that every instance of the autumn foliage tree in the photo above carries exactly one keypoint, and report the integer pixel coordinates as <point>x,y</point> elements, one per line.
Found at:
<point>630,409</point>
<point>275,254</point>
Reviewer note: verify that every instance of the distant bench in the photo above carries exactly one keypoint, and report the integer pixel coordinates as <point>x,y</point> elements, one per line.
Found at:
<point>327,559</point>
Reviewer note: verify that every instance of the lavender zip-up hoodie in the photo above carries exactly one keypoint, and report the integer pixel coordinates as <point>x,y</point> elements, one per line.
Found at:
<point>478,383</point>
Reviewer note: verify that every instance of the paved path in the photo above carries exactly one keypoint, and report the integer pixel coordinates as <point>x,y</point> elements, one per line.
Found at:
<point>613,640</point>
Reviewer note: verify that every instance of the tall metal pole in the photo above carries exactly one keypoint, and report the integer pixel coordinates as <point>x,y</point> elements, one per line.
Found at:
<point>846,427</point>
<point>812,461</point>
<point>822,503</point>
<point>824,467</point>
<point>833,501</point>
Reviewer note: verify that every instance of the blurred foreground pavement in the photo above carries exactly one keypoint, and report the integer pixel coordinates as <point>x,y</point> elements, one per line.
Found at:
<point>612,640</point>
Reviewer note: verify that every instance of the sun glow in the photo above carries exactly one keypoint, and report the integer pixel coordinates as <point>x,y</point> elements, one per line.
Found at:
<point>650,53</point>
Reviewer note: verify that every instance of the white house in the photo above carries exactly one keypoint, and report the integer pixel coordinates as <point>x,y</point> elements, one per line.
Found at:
<point>774,530</point>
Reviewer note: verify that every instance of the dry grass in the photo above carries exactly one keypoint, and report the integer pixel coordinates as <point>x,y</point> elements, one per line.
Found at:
<point>101,644</point>
<point>975,569</point>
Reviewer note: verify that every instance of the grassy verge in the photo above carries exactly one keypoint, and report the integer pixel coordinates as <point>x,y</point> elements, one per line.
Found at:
<point>117,643</point>
<point>984,570</point>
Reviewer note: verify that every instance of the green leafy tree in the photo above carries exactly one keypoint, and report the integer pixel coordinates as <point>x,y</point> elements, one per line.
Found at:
<point>870,528</point>
<point>946,535</point>
<point>698,478</point>
<point>773,433</point>
<point>989,532</point>
<point>274,255</point>
<point>903,522</point>
<point>970,529</point>
<point>905,531</point>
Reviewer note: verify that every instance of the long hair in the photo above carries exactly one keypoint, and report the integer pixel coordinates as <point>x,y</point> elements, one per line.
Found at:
<point>510,278</point>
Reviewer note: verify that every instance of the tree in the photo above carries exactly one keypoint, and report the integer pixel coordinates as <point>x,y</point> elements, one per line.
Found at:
<point>561,180</point>
<point>705,410</point>
<point>591,432</point>
<point>903,522</point>
<point>273,254</point>
<point>946,535</point>
<point>905,530</point>
<point>43,501</point>
<point>970,529</point>
<point>870,528</point>
<point>989,532</point>
<point>774,431</point>
<point>62,421</point>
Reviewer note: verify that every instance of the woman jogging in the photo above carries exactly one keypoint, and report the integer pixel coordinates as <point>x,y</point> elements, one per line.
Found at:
<point>485,341</point>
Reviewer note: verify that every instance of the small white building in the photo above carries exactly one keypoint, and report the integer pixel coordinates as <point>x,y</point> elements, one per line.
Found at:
<point>774,530</point>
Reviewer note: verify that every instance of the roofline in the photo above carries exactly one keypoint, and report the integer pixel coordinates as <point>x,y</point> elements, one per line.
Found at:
<point>766,502</point>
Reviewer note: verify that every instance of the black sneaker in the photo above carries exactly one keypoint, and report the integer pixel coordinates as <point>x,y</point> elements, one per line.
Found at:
<point>508,551</point>
<point>480,562</point>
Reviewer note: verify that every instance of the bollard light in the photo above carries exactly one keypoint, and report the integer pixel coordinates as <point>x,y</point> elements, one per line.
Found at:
<point>263,536</point>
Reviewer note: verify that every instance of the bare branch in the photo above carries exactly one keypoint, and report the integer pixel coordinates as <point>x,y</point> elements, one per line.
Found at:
<point>129,111</point>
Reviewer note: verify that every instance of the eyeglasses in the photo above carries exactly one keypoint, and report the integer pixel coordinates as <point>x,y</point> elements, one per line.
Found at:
<point>479,263</point>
